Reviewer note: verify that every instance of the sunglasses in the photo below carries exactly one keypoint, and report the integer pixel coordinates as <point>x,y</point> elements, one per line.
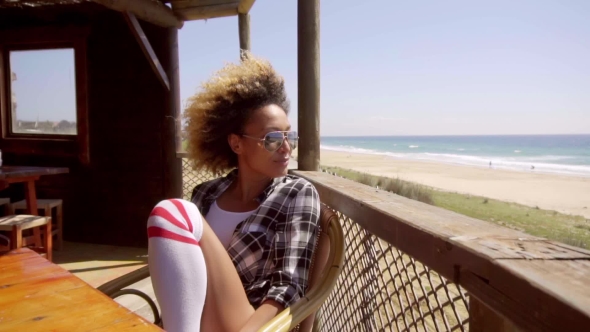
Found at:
<point>274,140</point>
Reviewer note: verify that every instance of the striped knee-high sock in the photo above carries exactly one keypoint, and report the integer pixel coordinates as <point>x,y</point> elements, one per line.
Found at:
<point>176,263</point>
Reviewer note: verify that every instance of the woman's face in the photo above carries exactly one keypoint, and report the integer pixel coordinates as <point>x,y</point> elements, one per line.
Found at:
<point>261,148</point>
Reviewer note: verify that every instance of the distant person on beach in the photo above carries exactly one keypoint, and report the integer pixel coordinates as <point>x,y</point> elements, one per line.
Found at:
<point>490,164</point>
<point>532,167</point>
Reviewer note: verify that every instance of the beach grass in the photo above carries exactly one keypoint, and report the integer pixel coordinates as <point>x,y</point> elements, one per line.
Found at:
<point>395,185</point>
<point>552,225</point>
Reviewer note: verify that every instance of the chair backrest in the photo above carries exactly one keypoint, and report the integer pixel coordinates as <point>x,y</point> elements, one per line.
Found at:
<point>320,258</point>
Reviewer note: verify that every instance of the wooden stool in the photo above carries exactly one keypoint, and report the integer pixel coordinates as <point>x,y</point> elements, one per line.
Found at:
<point>45,206</point>
<point>4,247</point>
<point>16,224</point>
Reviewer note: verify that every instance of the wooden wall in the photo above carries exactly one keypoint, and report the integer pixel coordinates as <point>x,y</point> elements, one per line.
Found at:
<point>131,130</point>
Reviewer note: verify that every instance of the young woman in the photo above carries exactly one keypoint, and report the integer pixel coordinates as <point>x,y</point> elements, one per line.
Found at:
<point>240,252</point>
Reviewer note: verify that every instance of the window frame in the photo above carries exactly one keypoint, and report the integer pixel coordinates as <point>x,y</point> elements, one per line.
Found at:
<point>45,144</point>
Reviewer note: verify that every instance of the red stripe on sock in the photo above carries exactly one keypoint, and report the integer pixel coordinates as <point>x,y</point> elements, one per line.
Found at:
<point>163,213</point>
<point>182,211</point>
<point>154,231</point>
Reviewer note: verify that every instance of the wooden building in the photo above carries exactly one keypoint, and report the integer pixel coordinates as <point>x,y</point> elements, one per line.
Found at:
<point>122,157</point>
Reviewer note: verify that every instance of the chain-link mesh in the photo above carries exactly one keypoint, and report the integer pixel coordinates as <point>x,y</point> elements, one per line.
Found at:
<point>191,178</point>
<point>383,289</point>
<point>380,287</point>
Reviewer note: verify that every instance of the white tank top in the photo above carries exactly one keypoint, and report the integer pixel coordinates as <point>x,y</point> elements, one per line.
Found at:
<point>223,223</point>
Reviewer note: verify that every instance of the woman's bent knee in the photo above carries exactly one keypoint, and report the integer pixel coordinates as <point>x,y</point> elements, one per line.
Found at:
<point>175,217</point>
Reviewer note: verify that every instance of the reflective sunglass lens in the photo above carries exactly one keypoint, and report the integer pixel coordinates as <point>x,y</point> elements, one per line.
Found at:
<point>274,140</point>
<point>292,138</point>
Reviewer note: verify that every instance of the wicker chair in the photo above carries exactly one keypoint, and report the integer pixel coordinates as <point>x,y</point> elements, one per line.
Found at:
<point>326,266</point>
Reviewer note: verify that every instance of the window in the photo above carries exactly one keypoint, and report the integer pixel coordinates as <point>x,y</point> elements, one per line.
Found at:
<point>43,92</point>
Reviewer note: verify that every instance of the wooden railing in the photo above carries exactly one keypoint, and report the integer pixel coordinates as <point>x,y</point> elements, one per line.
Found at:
<point>412,266</point>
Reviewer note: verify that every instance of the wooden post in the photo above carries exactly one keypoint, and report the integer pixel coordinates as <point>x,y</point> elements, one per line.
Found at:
<point>172,122</point>
<point>308,76</point>
<point>484,319</point>
<point>244,27</point>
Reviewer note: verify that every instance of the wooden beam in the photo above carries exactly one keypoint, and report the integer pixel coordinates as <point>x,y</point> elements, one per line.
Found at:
<point>147,49</point>
<point>308,80</point>
<point>244,31</point>
<point>483,319</point>
<point>245,6</point>
<point>180,4</point>
<point>154,12</point>
<point>171,128</point>
<point>539,285</point>
<point>206,12</point>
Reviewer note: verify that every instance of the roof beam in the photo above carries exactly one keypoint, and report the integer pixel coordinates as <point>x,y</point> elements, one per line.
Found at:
<point>245,6</point>
<point>153,12</point>
<point>147,49</point>
<point>206,12</point>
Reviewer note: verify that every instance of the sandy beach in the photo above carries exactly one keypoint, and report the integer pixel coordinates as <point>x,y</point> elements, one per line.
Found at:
<point>566,194</point>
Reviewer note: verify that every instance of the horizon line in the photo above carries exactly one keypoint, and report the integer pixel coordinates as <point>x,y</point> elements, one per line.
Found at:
<point>439,135</point>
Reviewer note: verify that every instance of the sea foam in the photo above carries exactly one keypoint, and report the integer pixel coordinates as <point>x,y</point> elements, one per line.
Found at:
<point>542,164</point>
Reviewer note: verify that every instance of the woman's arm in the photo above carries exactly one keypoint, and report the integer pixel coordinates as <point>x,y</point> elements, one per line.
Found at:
<point>293,248</point>
<point>262,315</point>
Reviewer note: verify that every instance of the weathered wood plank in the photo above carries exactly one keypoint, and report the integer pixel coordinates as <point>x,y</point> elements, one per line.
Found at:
<point>245,6</point>
<point>207,12</point>
<point>154,12</point>
<point>561,283</point>
<point>506,269</point>
<point>147,49</point>
<point>482,319</point>
<point>201,3</point>
<point>42,296</point>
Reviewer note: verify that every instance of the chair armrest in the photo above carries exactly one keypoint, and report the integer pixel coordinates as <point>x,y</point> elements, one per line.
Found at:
<point>115,288</point>
<point>115,285</point>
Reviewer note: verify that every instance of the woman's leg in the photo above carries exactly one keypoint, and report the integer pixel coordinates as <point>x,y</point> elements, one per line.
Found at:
<point>226,306</point>
<point>176,263</point>
<point>186,258</point>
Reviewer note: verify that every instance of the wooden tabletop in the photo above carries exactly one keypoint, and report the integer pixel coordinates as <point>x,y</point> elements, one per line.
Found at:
<point>8,172</point>
<point>37,295</point>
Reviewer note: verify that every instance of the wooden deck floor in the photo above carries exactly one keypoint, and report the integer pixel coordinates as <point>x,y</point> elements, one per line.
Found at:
<point>97,264</point>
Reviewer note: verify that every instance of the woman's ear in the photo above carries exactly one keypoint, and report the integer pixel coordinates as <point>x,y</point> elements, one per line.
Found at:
<point>235,143</point>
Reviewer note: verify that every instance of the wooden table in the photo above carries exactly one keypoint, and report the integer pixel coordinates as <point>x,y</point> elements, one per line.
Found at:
<point>28,175</point>
<point>37,295</point>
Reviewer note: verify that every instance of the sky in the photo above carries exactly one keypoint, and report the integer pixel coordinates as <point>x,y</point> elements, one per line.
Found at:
<point>396,67</point>
<point>44,92</point>
<point>421,67</point>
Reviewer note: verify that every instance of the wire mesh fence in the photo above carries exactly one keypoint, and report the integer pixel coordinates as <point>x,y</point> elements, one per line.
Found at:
<point>380,288</point>
<point>191,178</point>
<point>383,289</point>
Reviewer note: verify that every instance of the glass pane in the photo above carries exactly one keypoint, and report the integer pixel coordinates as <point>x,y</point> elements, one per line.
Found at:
<point>43,87</point>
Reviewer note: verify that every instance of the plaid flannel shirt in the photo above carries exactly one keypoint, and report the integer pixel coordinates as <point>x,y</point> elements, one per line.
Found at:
<point>272,249</point>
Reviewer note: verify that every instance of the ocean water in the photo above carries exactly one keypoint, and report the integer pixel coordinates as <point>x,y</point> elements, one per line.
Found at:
<point>558,154</point>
